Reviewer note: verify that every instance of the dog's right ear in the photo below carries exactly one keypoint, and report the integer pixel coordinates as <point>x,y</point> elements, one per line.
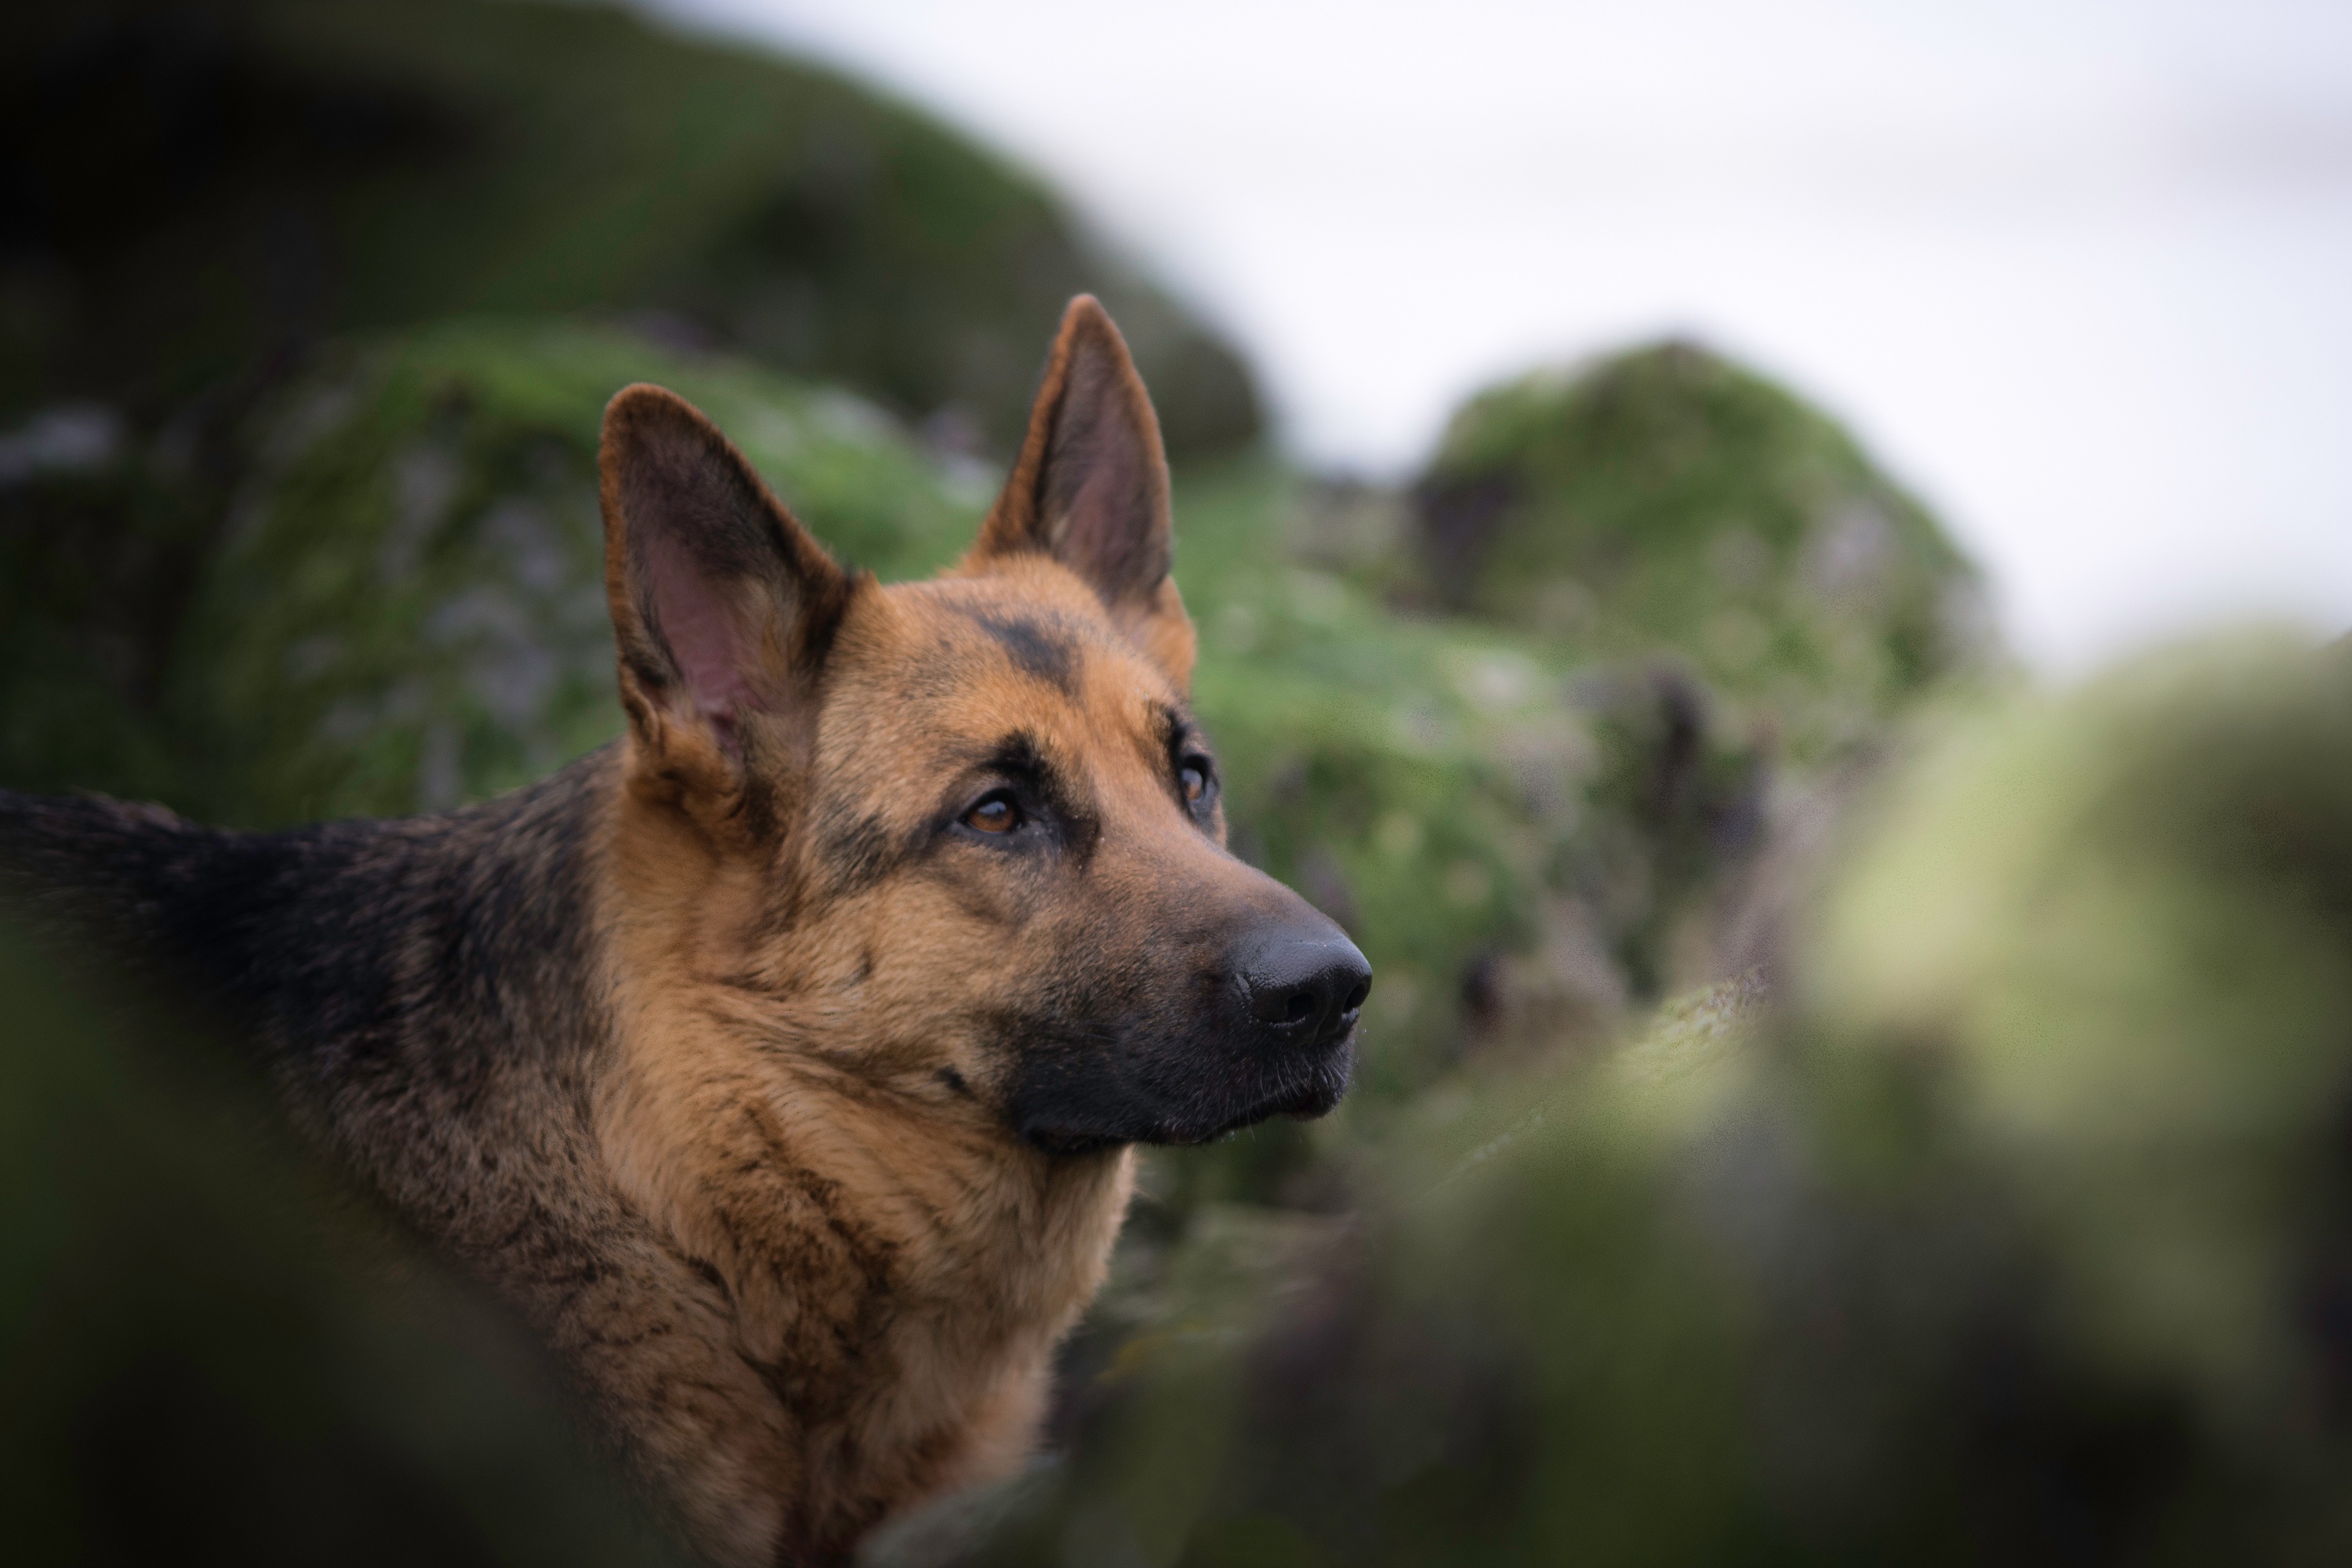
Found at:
<point>1090,487</point>
<point>723,607</point>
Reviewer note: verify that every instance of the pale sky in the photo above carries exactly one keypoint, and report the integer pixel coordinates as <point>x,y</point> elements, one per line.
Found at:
<point>2079,271</point>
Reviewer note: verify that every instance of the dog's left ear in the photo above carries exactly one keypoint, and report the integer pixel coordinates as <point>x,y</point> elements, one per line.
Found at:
<point>723,606</point>
<point>1090,487</point>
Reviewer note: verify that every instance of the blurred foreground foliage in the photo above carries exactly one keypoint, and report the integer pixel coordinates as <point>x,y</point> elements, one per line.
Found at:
<point>2013,1222</point>
<point>2020,1229</point>
<point>206,1360</point>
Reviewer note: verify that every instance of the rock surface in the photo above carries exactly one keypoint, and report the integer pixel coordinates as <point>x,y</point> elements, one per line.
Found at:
<point>1667,498</point>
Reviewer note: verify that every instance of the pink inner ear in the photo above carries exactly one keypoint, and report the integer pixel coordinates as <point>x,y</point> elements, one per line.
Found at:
<point>716,646</point>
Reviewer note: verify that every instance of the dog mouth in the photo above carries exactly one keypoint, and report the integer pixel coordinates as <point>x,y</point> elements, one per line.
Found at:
<point>1300,1103</point>
<point>1308,1090</point>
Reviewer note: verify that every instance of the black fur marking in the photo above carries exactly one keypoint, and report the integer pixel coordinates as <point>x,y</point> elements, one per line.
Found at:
<point>1159,1074</point>
<point>1038,647</point>
<point>653,673</point>
<point>1017,757</point>
<point>859,853</point>
<point>709,1273</point>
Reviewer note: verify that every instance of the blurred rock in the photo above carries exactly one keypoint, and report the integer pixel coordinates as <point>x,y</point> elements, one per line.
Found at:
<point>1526,843</point>
<point>2020,1231</point>
<point>408,610</point>
<point>103,536</point>
<point>201,199</point>
<point>1668,498</point>
<point>199,190</point>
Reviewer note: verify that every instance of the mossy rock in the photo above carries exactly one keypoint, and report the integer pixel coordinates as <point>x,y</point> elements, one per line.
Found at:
<point>409,610</point>
<point>202,188</point>
<point>204,195</point>
<point>2020,1230</point>
<point>1668,498</point>
<point>100,540</point>
<point>1513,836</point>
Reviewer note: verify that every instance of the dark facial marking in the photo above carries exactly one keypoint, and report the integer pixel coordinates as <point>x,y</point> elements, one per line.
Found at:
<point>1037,648</point>
<point>858,852</point>
<point>710,1276</point>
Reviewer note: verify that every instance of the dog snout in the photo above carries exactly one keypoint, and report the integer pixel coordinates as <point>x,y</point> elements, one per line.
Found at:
<point>1304,982</point>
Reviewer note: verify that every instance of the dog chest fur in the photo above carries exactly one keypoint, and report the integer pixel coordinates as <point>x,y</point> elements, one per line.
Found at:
<point>890,1272</point>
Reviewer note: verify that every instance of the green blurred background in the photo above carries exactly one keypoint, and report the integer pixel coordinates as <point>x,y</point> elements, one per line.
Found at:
<point>1820,1099</point>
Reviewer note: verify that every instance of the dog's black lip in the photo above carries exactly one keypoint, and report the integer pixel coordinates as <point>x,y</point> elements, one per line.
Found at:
<point>1303,1102</point>
<point>1071,1145</point>
<point>1312,1096</point>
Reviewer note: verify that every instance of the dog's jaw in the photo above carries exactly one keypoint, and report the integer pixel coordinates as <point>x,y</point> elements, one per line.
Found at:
<point>1304,1090</point>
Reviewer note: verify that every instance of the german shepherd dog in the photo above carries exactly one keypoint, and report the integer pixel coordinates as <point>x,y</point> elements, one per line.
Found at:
<point>783,1061</point>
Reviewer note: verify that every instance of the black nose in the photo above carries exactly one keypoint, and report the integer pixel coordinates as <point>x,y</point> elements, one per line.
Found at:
<point>1305,984</point>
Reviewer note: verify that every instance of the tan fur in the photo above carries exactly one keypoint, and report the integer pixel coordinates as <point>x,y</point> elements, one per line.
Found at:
<point>873,1231</point>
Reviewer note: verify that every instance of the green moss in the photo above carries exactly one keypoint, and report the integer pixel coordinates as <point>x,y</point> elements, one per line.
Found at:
<point>1666,498</point>
<point>2137,960</point>
<point>210,191</point>
<point>220,182</point>
<point>410,609</point>
<point>1450,790</point>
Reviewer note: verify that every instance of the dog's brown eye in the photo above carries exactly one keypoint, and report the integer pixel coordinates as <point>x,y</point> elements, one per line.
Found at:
<point>994,814</point>
<point>1195,781</point>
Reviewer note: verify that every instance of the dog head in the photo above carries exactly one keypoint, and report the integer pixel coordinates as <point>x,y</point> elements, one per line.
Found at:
<point>961,839</point>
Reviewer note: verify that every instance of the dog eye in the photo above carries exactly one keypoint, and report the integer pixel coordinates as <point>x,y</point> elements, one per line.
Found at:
<point>995,813</point>
<point>1194,779</point>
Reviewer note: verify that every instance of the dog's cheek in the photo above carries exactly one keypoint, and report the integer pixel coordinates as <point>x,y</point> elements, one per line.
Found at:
<point>932,972</point>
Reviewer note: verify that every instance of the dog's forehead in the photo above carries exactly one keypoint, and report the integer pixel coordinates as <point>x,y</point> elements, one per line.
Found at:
<point>934,671</point>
